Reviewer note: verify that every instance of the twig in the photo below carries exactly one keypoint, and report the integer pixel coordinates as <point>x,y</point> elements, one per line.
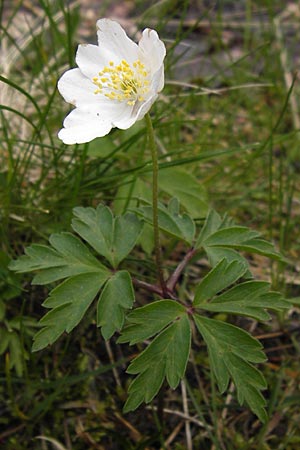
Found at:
<point>228,400</point>
<point>181,414</point>
<point>288,77</point>
<point>189,441</point>
<point>225,23</point>
<point>11,431</point>
<point>216,91</point>
<point>173,434</point>
<point>112,361</point>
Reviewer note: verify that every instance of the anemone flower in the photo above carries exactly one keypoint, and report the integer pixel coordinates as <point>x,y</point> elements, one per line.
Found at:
<point>115,84</point>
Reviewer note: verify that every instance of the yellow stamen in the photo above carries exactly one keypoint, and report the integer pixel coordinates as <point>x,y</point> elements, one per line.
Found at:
<point>123,82</point>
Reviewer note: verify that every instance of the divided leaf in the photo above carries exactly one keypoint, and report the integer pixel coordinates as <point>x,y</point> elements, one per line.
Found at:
<point>220,277</point>
<point>166,356</point>
<point>180,183</point>
<point>221,239</point>
<point>176,182</point>
<point>179,225</point>
<point>145,322</point>
<point>231,352</point>
<point>67,257</point>
<point>112,237</point>
<point>116,297</point>
<point>69,302</point>
<point>249,299</point>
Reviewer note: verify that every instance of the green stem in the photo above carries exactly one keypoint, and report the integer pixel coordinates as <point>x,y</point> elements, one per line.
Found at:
<point>154,155</point>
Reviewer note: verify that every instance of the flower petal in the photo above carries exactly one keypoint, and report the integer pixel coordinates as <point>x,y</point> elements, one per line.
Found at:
<point>79,91</point>
<point>96,113</point>
<point>125,122</point>
<point>158,80</point>
<point>76,88</point>
<point>138,112</point>
<point>81,127</point>
<point>91,59</point>
<point>113,38</point>
<point>152,50</point>
<point>145,107</point>
<point>140,109</point>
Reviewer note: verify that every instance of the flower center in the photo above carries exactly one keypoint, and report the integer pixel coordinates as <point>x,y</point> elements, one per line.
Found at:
<point>123,82</point>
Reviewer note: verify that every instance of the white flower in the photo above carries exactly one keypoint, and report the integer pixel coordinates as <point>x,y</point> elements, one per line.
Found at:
<point>115,84</point>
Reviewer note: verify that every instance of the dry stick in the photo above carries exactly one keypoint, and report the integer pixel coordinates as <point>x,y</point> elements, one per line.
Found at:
<point>11,431</point>
<point>226,23</point>
<point>207,91</point>
<point>181,415</point>
<point>288,77</point>
<point>174,434</point>
<point>228,400</point>
<point>67,435</point>
<point>112,361</point>
<point>189,441</point>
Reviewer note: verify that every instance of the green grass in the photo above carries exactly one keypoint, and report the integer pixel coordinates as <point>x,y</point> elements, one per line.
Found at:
<point>226,115</point>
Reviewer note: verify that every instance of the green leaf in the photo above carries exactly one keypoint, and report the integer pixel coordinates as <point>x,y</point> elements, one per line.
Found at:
<point>2,310</point>
<point>220,277</point>
<point>4,340</point>
<point>179,183</point>
<point>248,299</point>
<point>260,247</point>
<point>145,322</point>
<point>130,194</point>
<point>221,239</point>
<point>212,223</point>
<point>216,254</point>
<point>170,220</point>
<point>16,356</point>
<point>176,182</point>
<point>36,257</point>
<point>231,352</point>
<point>293,301</point>
<point>70,300</point>
<point>10,286</point>
<point>101,147</point>
<point>112,237</point>
<point>166,356</point>
<point>67,257</point>
<point>232,236</point>
<point>116,297</point>
<point>146,239</point>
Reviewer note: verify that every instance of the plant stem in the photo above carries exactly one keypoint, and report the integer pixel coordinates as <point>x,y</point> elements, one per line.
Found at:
<point>154,288</point>
<point>154,155</point>
<point>171,283</point>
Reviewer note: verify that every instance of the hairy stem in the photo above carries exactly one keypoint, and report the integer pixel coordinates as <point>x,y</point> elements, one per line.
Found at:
<point>157,246</point>
<point>171,283</point>
<point>154,288</point>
